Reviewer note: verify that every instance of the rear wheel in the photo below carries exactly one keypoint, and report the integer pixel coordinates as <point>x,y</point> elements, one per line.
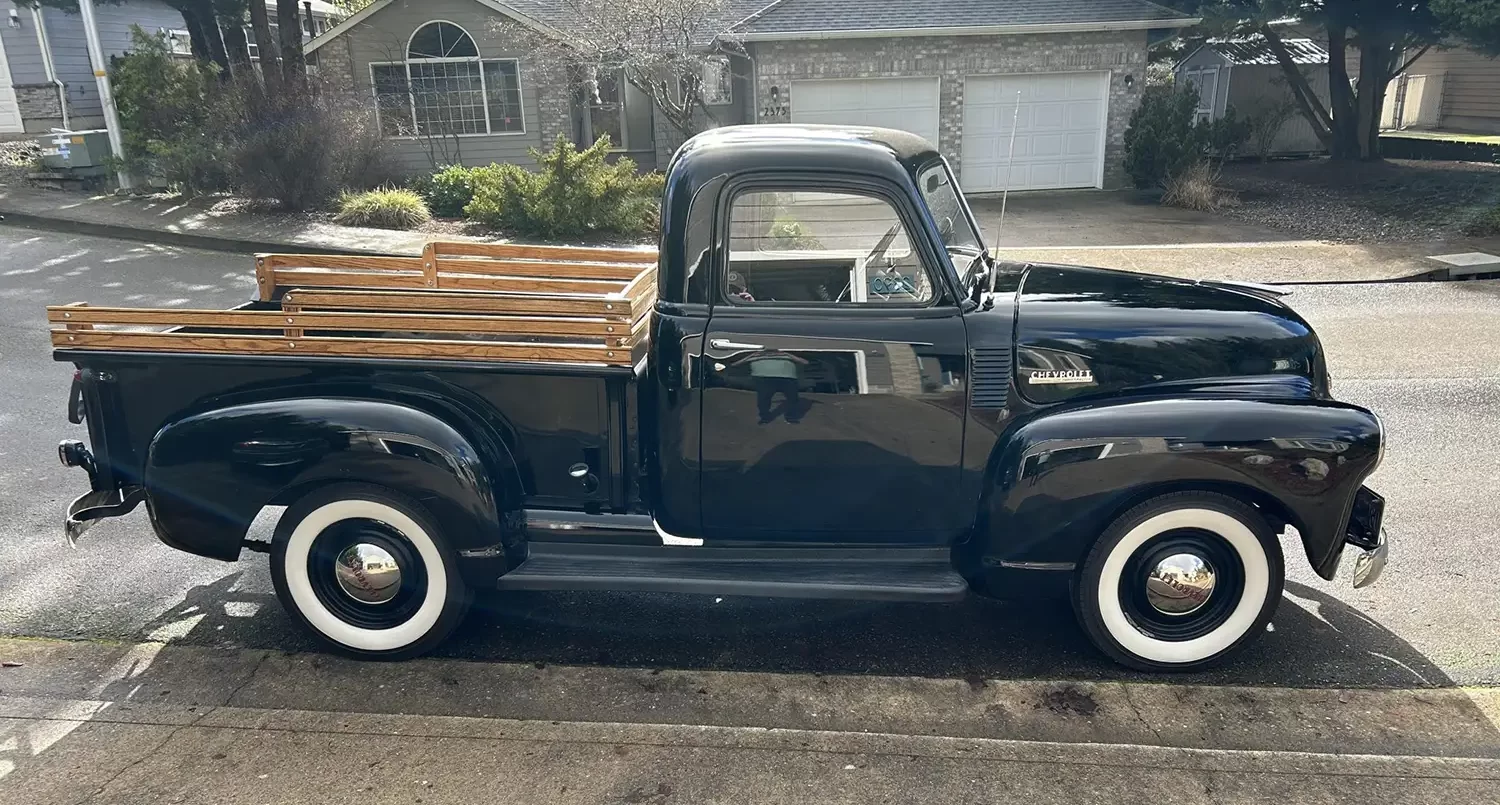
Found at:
<point>1180,582</point>
<point>366,571</point>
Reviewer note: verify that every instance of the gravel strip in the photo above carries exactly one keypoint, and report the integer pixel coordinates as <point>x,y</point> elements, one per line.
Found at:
<point>1393,201</point>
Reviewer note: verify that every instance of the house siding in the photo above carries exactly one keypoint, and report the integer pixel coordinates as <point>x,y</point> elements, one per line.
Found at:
<point>382,37</point>
<point>70,57</point>
<point>1471,88</point>
<point>953,59</point>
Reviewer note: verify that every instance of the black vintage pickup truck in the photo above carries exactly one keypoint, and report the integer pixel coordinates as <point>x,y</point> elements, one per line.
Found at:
<point>843,395</point>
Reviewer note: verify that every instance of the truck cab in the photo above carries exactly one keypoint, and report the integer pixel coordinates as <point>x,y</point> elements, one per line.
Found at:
<point>844,394</point>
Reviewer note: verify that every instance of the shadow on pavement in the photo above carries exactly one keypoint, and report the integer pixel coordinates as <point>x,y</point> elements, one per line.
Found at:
<point>1315,639</point>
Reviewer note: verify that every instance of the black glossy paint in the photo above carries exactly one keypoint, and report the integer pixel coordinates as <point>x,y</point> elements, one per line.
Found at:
<point>917,426</point>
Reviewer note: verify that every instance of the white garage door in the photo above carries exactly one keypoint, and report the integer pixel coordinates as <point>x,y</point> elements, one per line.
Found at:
<point>10,111</point>
<point>1059,131</point>
<point>909,104</point>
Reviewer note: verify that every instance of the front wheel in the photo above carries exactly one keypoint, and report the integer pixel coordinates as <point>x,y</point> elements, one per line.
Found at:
<point>1180,582</point>
<point>367,572</point>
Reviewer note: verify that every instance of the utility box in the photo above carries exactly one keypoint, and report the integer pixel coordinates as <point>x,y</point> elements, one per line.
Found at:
<point>82,153</point>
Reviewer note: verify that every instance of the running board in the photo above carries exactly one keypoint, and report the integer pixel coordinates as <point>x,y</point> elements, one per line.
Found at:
<point>878,574</point>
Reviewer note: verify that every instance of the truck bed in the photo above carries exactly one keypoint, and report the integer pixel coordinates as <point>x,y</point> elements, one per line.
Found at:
<point>458,301</point>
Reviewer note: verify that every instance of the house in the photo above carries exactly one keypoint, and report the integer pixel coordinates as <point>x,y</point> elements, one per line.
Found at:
<point>1454,89</point>
<point>1243,74</point>
<point>46,80</point>
<point>454,80</point>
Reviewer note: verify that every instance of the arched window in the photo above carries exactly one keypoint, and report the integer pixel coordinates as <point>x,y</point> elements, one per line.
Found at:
<point>443,87</point>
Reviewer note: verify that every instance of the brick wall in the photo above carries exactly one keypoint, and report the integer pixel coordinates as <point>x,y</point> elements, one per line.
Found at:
<point>952,58</point>
<point>38,101</point>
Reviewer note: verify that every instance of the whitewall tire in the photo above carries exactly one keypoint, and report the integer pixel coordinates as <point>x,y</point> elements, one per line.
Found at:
<point>1180,582</point>
<point>367,572</point>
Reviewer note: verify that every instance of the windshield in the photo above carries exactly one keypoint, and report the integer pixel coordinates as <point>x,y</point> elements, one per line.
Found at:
<point>948,208</point>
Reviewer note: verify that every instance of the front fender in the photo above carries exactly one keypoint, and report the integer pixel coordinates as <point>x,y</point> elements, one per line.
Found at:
<point>1055,481</point>
<point>208,475</point>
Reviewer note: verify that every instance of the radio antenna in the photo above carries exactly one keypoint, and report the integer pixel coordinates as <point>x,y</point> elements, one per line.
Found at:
<point>1010,158</point>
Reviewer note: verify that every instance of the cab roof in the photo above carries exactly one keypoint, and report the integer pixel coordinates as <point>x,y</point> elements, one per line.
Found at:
<point>734,149</point>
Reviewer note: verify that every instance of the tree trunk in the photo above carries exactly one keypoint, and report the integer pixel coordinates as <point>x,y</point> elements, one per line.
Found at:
<point>1379,56</point>
<point>232,27</point>
<point>289,23</point>
<point>1341,100</point>
<point>266,45</point>
<point>199,17</point>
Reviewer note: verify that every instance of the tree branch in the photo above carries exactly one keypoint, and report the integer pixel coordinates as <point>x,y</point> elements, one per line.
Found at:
<point>1312,108</point>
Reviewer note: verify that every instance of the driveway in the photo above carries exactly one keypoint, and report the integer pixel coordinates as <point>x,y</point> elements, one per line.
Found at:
<point>1090,219</point>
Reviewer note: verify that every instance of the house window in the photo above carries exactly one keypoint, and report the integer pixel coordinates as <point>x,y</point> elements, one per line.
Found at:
<point>180,42</point>
<point>715,84</point>
<point>253,47</point>
<point>607,109</point>
<point>718,82</point>
<point>445,88</point>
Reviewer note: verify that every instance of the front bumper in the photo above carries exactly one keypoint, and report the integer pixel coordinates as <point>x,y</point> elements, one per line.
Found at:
<point>1366,532</point>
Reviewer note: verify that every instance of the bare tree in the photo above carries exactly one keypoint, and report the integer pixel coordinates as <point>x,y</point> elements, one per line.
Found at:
<point>265,44</point>
<point>662,47</point>
<point>289,24</point>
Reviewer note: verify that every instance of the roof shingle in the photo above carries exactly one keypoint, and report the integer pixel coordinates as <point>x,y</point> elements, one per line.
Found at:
<point>803,16</point>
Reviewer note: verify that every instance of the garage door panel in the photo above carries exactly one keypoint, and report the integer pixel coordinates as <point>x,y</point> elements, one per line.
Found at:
<point>1058,130</point>
<point>909,104</point>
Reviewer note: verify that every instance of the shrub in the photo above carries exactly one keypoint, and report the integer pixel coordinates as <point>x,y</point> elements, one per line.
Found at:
<point>1162,139</point>
<point>296,146</point>
<point>450,190</point>
<point>166,117</point>
<point>1266,126</point>
<point>787,233</point>
<point>1196,188</point>
<point>1226,135</point>
<point>386,207</point>
<point>300,149</point>
<point>574,193</point>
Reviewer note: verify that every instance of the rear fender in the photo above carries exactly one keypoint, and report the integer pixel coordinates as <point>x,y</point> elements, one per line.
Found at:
<point>208,475</point>
<point>1055,482</point>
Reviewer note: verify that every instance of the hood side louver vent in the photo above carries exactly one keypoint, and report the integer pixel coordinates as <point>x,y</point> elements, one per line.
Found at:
<point>989,382</point>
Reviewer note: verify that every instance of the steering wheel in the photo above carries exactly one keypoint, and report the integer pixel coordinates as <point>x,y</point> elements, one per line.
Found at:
<point>884,244</point>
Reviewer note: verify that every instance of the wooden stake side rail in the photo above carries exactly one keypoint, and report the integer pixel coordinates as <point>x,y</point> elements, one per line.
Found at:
<point>325,346</point>
<point>587,305</point>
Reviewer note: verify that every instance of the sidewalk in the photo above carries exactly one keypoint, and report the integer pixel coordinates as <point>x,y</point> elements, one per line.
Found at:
<point>152,722</point>
<point>1059,229</point>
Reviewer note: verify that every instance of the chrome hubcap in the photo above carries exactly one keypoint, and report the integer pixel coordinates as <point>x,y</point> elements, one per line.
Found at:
<point>368,573</point>
<point>1180,584</point>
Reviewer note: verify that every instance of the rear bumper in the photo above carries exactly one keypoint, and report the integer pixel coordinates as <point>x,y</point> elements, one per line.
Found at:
<point>103,499</point>
<point>1366,533</point>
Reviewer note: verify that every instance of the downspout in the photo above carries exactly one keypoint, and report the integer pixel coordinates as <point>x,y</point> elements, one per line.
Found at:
<point>41,41</point>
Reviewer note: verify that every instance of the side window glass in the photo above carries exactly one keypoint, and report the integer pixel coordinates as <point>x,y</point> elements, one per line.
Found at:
<point>804,246</point>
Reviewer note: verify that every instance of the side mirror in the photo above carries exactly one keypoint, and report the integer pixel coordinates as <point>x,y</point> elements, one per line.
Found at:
<point>934,182</point>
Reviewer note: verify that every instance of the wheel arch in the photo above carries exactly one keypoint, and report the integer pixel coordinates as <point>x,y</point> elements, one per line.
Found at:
<point>210,474</point>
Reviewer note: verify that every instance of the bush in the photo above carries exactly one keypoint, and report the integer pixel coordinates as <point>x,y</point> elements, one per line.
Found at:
<point>166,118</point>
<point>301,149</point>
<point>449,190</point>
<point>296,146</point>
<point>1162,139</point>
<point>386,207</point>
<point>1227,135</point>
<point>787,233</point>
<point>1196,188</point>
<point>574,193</point>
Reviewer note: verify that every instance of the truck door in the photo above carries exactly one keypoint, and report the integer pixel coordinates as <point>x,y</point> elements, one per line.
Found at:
<point>833,369</point>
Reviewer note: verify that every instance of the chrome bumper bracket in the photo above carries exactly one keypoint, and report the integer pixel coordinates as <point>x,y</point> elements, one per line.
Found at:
<point>1370,563</point>
<point>90,507</point>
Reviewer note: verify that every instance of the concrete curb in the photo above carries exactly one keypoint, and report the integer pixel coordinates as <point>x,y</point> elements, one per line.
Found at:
<point>217,243</point>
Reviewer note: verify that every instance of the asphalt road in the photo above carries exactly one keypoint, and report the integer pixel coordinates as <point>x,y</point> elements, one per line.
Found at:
<point>1423,356</point>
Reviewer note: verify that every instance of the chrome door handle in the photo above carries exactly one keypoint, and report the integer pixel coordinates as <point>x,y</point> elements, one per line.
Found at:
<point>724,343</point>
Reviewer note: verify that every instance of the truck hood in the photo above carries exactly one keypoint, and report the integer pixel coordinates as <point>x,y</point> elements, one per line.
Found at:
<point>1088,331</point>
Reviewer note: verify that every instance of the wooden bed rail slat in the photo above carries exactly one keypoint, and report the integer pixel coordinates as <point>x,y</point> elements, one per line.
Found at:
<point>301,321</point>
<point>333,278</point>
<point>369,347</point>
<point>449,302</point>
<point>540,252</point>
